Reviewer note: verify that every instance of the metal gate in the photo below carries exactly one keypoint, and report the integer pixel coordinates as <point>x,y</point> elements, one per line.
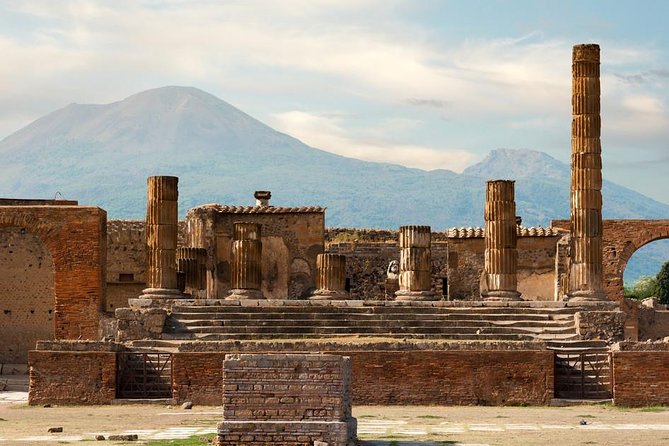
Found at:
<point>144,375</point>
<point>583,375</point>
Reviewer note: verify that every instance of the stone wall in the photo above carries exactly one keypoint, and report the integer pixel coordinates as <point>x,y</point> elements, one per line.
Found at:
<point>653,324</point>
<point>26,294</point>
<point>286,399</point>
<point>641,378</point>
<point>75,237</point>
<point>291,240</point>
<point>457,373</point>
<point>72,377</point>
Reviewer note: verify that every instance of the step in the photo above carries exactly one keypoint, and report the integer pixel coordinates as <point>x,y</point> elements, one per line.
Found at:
<point>242,337</point>
<point>373,309</point>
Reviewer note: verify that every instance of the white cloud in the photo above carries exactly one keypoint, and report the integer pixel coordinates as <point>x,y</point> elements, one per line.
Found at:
<point>326,133</point>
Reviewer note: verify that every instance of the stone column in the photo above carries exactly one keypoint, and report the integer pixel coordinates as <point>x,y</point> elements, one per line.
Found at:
<point>330,277</point>
<point>415,278</point>
<point>501,254</point>
<point>246,270</point>
<point>586,271</point>
<point>192,262</point>
<point>161,238</point>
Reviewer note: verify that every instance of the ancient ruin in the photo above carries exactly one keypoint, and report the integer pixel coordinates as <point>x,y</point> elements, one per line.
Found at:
<point>501,256</point>
<point>418,316</point>
<point>585,274</point>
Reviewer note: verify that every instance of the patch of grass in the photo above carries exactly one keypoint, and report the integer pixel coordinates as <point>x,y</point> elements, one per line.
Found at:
<point>653,409</point>
<point>365,416</point>
<point>501,416</point>
<point>195,440</point>
<point>586,416</point>
<point>2,419</point>
<point>637,409</point>
<point>432,417</point>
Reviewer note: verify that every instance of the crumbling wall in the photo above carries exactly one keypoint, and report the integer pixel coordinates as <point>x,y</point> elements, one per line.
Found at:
<point>641,374</point>
<point>26,294</point>
<point>291,240</point>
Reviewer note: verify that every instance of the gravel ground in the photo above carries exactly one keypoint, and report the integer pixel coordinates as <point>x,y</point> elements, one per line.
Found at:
<point>21,424</point>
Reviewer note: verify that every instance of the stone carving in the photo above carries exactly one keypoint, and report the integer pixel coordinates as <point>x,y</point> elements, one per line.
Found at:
<point>330,277</point>
<point>415,279</point>
<point>501,255</point>
<point>393,270</point>
<point>586,269</point>
<point>161,237</point>
<point>246,271</point>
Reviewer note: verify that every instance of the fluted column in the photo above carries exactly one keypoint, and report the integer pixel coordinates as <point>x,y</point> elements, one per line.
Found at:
<point>501,254</point>
<point>246,271</point>
<point>192,262</point>
<point>415,278</point>
<point>586,269</point>
<point>331,277</point>
<point>161,237</point>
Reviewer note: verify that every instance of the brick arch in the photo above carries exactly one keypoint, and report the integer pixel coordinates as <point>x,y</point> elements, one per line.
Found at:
<point>75,236</point>
<point>622,238</point>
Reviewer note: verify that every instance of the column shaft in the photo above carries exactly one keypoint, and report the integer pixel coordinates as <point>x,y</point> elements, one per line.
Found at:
<point>331,277</point>
<point>246,270</point>
<point>415,278</point>
<point>161,237</point>
<point>501,254</point>
<point>586,271</point>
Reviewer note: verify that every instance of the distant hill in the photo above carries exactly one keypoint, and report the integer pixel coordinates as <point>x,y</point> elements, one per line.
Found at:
<point>102,154</point>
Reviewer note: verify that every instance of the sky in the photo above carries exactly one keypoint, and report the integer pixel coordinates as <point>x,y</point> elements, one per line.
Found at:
<point>423,83</point>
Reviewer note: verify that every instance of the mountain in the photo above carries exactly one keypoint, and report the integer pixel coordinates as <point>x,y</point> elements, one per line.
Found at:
<point>102,154</point>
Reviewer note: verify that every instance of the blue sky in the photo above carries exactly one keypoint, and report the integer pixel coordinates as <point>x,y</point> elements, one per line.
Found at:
<point>427,84</point>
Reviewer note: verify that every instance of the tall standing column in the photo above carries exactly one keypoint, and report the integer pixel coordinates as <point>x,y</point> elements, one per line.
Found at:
<point>330,278</point>
<point>501,254</point>
<point>586,270</point>
<point>161,237</point>
<point>246,270</point>
<point>415,277</point>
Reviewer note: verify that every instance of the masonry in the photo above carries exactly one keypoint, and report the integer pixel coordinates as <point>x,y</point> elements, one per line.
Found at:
<point>75,239</point>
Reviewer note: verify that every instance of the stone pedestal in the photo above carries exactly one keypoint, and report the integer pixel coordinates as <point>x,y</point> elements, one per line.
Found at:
<point>415,278</point>
<point>161,238</point>
<point>586,268</point>
<point>331,277</point>
<point>192,262</point>
<point>501,254</point>
<point>246,270</point>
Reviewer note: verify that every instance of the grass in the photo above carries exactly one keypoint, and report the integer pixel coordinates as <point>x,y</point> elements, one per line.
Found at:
<point>431,417</point>
<point>196,440</point>
<point>638,409</point>
<point>586,416</point>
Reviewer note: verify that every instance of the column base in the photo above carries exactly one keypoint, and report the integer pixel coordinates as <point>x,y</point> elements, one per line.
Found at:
<point>403,295</point>
<point>329,295</point>
<point>587,296</point>
<point>244,293</point>
<point>161,293</point>
<point>501,296</point>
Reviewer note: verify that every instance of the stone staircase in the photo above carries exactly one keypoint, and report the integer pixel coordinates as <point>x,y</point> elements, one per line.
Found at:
<point>507,323</point>
<point>582,369</point>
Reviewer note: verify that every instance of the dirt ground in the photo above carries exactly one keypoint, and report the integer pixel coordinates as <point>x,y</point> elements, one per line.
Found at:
<point>21,424</point>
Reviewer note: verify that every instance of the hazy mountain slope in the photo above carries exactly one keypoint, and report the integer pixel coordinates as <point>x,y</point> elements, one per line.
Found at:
<point>102,154</point>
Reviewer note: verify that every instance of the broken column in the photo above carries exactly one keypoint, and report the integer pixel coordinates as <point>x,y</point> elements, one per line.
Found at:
<point>415,278</point>
<point>501,254</point>
<point>586,271</point>
<point>246,270</point>
<point>192,262</point>
<point>161,238</point>
<point>330,277</point>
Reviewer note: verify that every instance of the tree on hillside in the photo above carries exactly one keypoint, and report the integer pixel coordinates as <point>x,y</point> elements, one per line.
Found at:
<point>663,284</point>
<point>645,286</point>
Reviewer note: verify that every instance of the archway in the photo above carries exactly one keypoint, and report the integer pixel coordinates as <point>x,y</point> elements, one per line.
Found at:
<point>646,261</point>
<point>26,294</point>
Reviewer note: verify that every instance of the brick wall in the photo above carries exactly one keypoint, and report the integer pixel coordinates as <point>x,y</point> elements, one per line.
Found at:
<point>641,378</point>
<point>67,377</point>
<point>291,399</point>
<point>26,294</point>
<point>459,377</point>
<point>75,238</point>
<point>286,387</point>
